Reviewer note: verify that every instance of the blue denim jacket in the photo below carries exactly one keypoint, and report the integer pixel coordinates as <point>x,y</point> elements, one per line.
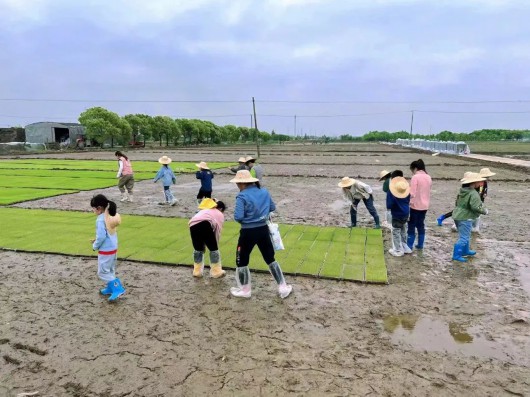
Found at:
<point>167,176</point>
<point>253,206</point>
<point>104,241</point>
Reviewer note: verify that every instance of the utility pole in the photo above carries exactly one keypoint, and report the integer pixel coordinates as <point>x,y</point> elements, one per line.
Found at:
<point>251,121</point>
<point>411,122</point>
<point>295,126</point>
<point>256,126</point>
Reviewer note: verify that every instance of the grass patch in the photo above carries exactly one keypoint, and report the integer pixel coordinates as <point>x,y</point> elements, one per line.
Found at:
<point>348,257</point>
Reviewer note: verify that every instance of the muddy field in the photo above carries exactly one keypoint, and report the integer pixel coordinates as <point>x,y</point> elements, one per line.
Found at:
<point>438,328</point>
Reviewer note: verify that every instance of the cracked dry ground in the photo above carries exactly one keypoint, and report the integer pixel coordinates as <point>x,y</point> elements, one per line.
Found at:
<point>172,335</point>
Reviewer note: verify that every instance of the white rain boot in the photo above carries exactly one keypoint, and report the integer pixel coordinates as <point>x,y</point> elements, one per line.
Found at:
<point>284,289</point>
<point>124,196</point>
<point>131,198</point>
<point>243,289</point>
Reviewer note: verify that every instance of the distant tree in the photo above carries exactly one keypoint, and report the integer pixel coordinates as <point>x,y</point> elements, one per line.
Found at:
<point>102,125</point>
<point>141,125</point>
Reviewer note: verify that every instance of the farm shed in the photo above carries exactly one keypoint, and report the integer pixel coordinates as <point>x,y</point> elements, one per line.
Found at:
<point>50,132</point>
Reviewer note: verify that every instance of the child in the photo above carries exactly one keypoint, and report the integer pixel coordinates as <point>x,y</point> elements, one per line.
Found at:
<point>206,176</point>
<point>106,243</point>
<point>168,177</point>
<point>468,208</point>
<point>420,197</point>
<point>398,202</point>
<point>126,175</point>
<point>205,230</point>
<point>385,176</point>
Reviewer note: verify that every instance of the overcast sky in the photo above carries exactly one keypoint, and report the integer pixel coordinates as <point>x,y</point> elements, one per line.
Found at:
<point>371,55</point>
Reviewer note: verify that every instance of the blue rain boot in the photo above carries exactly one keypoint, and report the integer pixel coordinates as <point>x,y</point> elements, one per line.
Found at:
<point>457,253</point>
<point>107,290</point>
<point>410,240</point>
<point>440,219</point>
<point>117,290</point>
<point>467,252</point>
<point>421,240</point>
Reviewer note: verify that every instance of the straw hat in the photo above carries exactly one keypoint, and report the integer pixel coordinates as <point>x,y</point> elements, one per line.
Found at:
<point>470,177</point>
<point>202,165</point>
<point>207,204</point>
<point>384,174</point>
<point>346,182</point>
<point>485,173</point>
<point>399,187</point>
<point>243,176</point>
<point>242,160</point>
<point>164,160</point>
<point>249,158</point>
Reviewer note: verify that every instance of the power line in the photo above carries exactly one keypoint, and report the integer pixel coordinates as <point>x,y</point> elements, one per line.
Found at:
<point>118,100</point>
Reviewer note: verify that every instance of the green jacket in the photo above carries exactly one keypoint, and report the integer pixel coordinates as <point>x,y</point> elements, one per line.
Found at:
<point>386,185</point>
<point>468,205</point>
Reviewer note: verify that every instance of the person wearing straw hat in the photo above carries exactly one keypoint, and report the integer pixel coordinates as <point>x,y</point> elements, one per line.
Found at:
<point>385,176</point>
<point>398,203</point>
<point>206,176</point>
<point>354,191</point>
<point>241,165</point>
<point>483,192</point>
<point>166,175</point>
<point>252,210</point>
<point>256,170</point>
<point>205,230</point>
<point>468,207</point>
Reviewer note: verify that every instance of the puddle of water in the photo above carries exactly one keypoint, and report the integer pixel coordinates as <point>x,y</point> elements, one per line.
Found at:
<point>425,333</point>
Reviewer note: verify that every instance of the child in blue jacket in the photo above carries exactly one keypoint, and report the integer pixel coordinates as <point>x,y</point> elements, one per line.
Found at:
<point>206,176</point>
<point>398,202</point>
<point>168,178</point>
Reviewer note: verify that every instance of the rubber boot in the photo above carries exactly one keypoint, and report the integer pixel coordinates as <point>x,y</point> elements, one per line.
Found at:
<point>131,198</point>
<point>457,253</point>
<point>410,240</point>
<point>440,219</point>
<point>198,263</point>
<point>421,240</point>
<point>467,252</point>
<point>124,196</point>
<point>377,224</point>
<point>216,270</point>
<point>107,290</point>
<point>117,290</point>
<point>284,289</point>
<point>243,289</point>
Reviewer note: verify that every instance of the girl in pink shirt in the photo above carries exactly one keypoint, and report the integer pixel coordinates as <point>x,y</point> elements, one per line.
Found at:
<point>205,230</point>
<point>420,196</point>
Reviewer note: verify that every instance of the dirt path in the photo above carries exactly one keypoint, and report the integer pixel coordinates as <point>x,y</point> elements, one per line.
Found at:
<point>438,328</point>
<point>498,159</point>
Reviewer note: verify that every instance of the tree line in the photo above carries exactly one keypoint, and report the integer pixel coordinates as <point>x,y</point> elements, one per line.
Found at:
<point>478,135</point>
<point>103,125</point>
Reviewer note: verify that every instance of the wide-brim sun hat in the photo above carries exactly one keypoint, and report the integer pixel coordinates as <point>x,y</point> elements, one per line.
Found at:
<point>202,165</point>
<point>399,187</point>
<point>164,160</point>
<point>485,173</point>
<point>242,160</point>
<point>383,174</point>
<point>346,182</point>
<point>470,177</point>
<point>243,176</point>
<point>249,158</point>
<point>207,204</point>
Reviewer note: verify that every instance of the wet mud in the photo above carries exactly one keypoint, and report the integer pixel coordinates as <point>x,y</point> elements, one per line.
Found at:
<point>438,328</point>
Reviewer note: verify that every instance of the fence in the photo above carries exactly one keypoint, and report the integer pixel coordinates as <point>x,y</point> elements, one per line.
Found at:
<point>460,148</point>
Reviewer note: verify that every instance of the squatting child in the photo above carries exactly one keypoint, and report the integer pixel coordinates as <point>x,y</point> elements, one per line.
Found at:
<point>168,178</point>
<point>106,243</point>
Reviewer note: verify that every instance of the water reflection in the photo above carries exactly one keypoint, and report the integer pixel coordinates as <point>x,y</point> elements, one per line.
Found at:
<point>459,334</point>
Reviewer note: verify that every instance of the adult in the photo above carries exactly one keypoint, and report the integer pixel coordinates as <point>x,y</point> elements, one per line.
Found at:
<point>205,229</point>
<point>256,170</point>
<point>126,176</point>
<point>252,209</point>
<point>241,165</point>
<point>385,176</point>
<point>420,196</point>
<point>354,191</point>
